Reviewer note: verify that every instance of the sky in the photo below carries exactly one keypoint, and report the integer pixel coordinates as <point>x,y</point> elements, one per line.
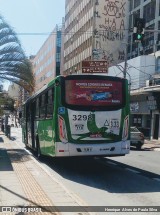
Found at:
<point>32,16</point>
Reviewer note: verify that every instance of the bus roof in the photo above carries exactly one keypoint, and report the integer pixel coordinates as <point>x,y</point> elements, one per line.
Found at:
<point>58,77</point>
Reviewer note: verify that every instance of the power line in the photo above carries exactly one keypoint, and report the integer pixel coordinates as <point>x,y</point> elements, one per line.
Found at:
<point>73,32</point>
<point>140,70</point>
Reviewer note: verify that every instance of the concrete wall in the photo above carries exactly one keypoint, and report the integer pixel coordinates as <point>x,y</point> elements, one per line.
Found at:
<point>111,22</point>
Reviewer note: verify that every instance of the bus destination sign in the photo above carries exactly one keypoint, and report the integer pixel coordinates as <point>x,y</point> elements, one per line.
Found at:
<point>95,66</point>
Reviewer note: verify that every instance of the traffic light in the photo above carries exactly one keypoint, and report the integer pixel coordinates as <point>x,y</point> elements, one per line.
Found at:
<point>138,31</point>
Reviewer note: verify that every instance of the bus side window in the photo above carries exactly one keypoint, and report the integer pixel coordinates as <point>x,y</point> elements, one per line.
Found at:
<point>37,108</point>
<point>28,112</point>
<point>50,103</point>
<point>42,106</point>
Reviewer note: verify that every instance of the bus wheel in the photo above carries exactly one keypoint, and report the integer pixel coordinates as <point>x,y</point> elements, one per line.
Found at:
<point>138,147</point>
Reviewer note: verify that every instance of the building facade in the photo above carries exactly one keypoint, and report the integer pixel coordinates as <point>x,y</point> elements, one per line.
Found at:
<point>94,30</point>
<point>139,70</point>
<point>144,81</point>
<point>46,64</point>
<point>145,109</point>
<point>150,11</point>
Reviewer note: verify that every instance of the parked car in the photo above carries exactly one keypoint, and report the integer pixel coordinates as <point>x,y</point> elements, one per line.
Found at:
<point>137,137</point>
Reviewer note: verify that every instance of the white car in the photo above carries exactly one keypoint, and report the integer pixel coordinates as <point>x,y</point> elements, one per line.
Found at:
<point>137,137</point>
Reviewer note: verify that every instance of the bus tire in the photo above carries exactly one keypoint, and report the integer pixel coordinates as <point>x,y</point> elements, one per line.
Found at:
<point>139,147</point>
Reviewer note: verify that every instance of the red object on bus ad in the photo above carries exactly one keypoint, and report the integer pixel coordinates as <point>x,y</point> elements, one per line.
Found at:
<point>93,92</point>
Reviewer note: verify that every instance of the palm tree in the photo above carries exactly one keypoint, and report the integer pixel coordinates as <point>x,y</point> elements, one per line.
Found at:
<point>14,65</point>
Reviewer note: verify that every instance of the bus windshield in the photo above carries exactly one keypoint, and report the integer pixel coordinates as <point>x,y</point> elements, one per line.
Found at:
<point>103,93</point>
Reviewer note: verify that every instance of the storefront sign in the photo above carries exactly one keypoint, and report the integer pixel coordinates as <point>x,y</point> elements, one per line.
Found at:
<point>134,107</point>
<point>95,66</point>
<point>151,103</point>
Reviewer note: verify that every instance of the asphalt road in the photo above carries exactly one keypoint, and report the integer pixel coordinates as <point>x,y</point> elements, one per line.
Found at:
<point>144,160</point>
<point>132,180</point>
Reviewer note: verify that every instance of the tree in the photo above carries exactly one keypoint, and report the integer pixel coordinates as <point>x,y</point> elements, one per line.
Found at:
<point>6,103</point>
<point>14,65</point>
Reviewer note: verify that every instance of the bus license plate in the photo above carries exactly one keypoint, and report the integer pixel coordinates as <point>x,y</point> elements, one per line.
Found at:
<point>86,149</point>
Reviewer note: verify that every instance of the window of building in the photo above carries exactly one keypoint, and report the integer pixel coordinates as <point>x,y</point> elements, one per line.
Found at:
<point>58,57</point>
<point>130,21</point>
<point>130,5</point>
<point>129,44</point>
<point>48,74</point>
<point>136,14</point>
<point>149,40</point>
<point>137,120</point>
<point>158,45</point>
<point>149,11</point>
<point>136,3</point>
<point>158,64</point>
<point>158,40</point>
<point>159,9</point>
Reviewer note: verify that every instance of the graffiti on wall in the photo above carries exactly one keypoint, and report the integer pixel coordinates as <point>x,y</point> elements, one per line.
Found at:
<point>110,24</point>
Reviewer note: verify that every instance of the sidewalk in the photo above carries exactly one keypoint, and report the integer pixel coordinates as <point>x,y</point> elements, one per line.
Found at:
<point>152,145</point>
<point>26,185</point>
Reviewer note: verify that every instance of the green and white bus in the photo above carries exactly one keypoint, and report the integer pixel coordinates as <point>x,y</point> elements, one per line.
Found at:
<point>78,115</point>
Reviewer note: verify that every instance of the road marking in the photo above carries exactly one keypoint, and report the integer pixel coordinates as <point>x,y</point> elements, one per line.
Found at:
<point>132,170</point>
<point>157,179</point>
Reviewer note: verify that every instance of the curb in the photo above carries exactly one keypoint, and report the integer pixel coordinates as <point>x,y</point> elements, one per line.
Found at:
<point>75,200</point>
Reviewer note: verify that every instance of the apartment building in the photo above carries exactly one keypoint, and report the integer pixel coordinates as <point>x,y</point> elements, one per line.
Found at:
<point>46,64</point>
<point>148,95</point>
<point>94,30</point>
<point>150,11</point>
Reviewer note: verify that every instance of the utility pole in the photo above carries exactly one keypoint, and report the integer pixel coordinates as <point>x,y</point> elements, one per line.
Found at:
<point>125,61</point>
